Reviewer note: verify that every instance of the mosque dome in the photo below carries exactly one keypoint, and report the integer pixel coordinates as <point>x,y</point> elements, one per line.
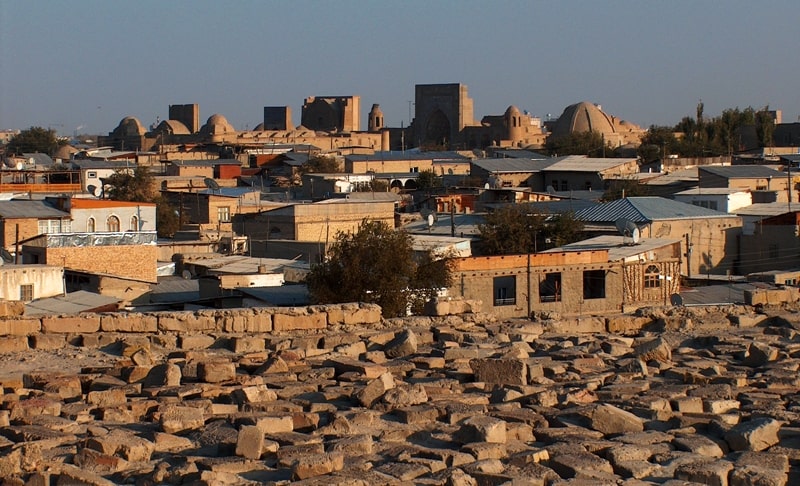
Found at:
<point>130,126</point>
<point>583,117</point>
<point>216,125</point>
<point>512,111</point>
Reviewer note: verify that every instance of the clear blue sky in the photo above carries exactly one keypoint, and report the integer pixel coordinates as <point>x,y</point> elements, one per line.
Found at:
<point>88,64</point>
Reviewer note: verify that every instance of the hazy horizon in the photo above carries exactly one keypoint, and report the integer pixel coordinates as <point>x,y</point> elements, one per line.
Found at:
<point>83,66</point>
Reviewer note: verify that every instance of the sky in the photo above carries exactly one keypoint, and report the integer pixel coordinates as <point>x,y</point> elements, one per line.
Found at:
<point>84,65</point>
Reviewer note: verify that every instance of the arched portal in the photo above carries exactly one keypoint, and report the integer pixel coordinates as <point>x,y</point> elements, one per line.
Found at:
<point>437,130</point>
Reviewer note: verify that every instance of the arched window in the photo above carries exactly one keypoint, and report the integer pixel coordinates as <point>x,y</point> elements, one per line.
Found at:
<point>134,223</point>
<point>112,223</point>
<point>90,225</point>
<point>652,277</point>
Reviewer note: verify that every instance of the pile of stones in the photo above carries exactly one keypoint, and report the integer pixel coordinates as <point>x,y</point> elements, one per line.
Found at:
<point>464,400</point>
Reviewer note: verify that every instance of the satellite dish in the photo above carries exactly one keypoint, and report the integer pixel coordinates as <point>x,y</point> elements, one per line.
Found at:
<point>7,257</point>
<point>628,229</point>
<point>211,184</point>
<point>676,299</point>
<point>186,274</point>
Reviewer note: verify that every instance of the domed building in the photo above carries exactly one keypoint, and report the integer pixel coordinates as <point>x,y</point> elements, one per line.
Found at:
<point>216,128</point>
<point>589,117</point>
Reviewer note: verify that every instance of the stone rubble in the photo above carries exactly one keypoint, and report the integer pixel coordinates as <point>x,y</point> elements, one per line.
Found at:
<point>459,401</point>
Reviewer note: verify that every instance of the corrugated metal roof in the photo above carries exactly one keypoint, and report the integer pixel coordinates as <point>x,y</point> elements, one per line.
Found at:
<point>72,303</point>
<point>581,163</point>
<point>742,171</point>
<point>644,210</point>
<point>616,246</point>
<point>29,209</point>
<point>794,159</point>
<point>205,163</point>
<point>386,156</point>
<point>513,165</point>
<point>520,154</point>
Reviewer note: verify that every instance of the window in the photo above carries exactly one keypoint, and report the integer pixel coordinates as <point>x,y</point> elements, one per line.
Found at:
<point>224,214</point>
<point>564,186</point>
<point>652,277</point>
<point>112,223</point>
<point>91,175</point>
<point>594,284</point>
<point>134,223</point>
<point>773,251</point>
<point>550,288</point>
<point>26,292</point>
<point>51,226</point>
<point>90,226</point>
<point>505,290</point>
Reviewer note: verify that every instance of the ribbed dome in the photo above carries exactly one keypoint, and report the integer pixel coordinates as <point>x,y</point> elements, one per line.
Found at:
<point>583,117</point>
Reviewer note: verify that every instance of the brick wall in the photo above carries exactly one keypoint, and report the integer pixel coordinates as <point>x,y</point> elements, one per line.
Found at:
<point>131,261</point>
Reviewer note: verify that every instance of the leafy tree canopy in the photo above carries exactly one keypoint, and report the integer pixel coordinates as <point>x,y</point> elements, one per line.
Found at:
<point>34,140</point>
<point>592,144</point>
<point>428,179</point>
<point>516,229</point>
<point>619,188</point>
<point>321,164</point>
<point>377,264</point>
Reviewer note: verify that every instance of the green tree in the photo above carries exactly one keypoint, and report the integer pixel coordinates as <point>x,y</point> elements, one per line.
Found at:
<point>765,127</point>
<point>428,179</point>
<point>517,229</point>
<point>657,143</point>
<point>34,140</point>
<point>377,264</point>
<point>619,188</point>
<point>139,186</point>
<point>592,144</point>
<point>321,164</point>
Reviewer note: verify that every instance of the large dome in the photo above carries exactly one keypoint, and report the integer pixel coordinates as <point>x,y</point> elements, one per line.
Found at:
<point>583,117</point>
<point>216,125</point>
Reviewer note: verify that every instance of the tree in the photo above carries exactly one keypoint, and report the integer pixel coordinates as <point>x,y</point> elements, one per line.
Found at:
<point>428,179</point>
<point>376,264</point>
<point>765,127</point>
<point>657,143</point>
<point>592,144</point>
<point>510,230</point>
<point>140,187</point>
<point>34,140</point>
<point>517,229</point>
<point>321,164</point>
<point>619,188</point>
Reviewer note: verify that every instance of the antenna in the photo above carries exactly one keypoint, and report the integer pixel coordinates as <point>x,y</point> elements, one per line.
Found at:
<point>211,184</point>
<point>629,231</point>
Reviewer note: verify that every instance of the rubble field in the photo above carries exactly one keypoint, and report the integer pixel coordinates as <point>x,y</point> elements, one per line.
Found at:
<point>677,397</point>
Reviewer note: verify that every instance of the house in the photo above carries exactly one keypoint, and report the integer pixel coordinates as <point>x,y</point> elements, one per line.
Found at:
<point>581,173</point>
<point>765,183</point>
<point>600,275</point>
<point>725,199</point>
<point>303,231</point>
<point>121,254</point>
<point>93,173</point>
<point>214,169</point>
<point>407,162</point>
<point>214,209</point>
<point>709,238</point>
<point>771,238</point>
<point>30,282</point>
<point>105,215</point>
<point>510,172</point>
<point>22,220</point>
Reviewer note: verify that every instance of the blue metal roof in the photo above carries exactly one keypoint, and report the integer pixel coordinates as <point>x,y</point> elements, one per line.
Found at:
<point>644,210</point>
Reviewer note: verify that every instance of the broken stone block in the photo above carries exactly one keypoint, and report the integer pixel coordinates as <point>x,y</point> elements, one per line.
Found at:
<point>216,371</point>
<point>657,349</point>
<point>404,344</point>
<point>482,429</point>
<point>200,341</point>
<point>98,462</point>
<point>759,354</point>
<point>611,420</point>
<point>705,472</point>
<point>375,389</point>
<point>248,344</point>
<point>272,425</point>
<point>500,371</point>
<point>126,444</point>
<point>580,464</point>
<point>754,435</point>
<point>174,418</point>
<point>254,394</point>
<point>250,442</point>
<point>308,466</point>
<point>405,396</point>
<point>354,446</point>
<point>699,445</point>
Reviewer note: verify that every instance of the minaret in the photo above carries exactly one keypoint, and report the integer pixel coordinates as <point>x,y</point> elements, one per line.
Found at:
<point>375,122</point>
